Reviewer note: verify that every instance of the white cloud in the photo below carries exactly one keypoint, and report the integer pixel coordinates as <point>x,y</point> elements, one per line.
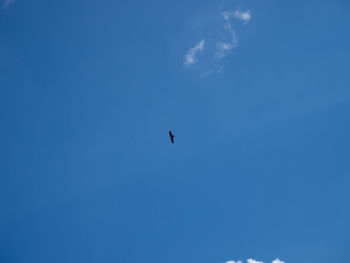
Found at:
<point>253,261</point>
<point>226,14</point>
<point>190,57</point>
<point>6,3</point>
<point>216,45</point>
<point>234,39</point>
<point>244,16</point>
<point>224,48</point>
<point>206,73</point>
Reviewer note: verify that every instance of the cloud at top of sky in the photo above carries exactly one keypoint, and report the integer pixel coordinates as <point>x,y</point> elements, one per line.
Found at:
<point>6,3</point>
<point>218,42</point>
<point>243,16</point>
<point>255,261</point>
<point>190,57</point>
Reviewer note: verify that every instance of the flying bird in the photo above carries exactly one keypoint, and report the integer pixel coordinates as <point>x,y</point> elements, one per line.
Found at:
<point>171,137</point>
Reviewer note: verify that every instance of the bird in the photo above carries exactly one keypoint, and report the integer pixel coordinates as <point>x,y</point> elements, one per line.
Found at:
<point>171,137</point>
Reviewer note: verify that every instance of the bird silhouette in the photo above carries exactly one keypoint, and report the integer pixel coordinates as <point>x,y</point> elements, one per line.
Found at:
<point>171,137</point>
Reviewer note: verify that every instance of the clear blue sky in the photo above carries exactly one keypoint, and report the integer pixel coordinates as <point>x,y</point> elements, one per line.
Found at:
<point>260,167</point>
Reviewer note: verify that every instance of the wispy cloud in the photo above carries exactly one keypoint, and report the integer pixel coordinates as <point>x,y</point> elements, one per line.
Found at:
<point>255,261</point>
<point>216,45</point>
<point>216,69</point>
<point>190,57</point>
<point>226,14</point>
<point>6,3</point>
<point>206,73</point>
<point>224,48</point>
<point>244,16</point>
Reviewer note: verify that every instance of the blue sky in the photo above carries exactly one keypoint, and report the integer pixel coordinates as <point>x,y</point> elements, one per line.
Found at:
<point>256,93</point>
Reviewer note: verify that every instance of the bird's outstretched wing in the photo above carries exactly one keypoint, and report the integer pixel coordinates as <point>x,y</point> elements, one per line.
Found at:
<point>171,137</point>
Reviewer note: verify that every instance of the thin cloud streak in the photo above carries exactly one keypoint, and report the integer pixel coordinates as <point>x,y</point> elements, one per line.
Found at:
<point>223,49</point>
<point>7,3</point>
<point>190,57</point>
<point>206,73</point>
<point>250,260</point>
